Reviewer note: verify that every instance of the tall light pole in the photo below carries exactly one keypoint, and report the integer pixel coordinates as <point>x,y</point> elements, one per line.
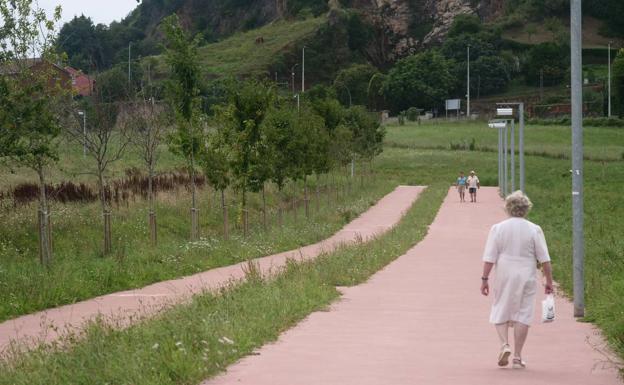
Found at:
<point>468,87</point>
<point>578,242</point>
<point>129,58</point>
<point>292,73</point>
<point>609,83</point>
<point>84,132</point>
<point>303,70</point>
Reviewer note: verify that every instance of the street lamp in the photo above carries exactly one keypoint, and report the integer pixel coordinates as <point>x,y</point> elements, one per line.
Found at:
<point>303,70</point>
<point>129,58</point>
<point>609,84</point>
<point>292,72</point>
<point>84,132</point>
<point>578,237</point>
<point>468,86</point>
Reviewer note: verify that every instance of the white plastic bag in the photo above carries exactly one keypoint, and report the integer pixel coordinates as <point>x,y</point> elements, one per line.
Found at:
<point>548,309</point>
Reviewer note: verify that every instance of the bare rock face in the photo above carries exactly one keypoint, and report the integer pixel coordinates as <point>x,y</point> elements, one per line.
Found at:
<point>411,25</point>
<point>443,12</point>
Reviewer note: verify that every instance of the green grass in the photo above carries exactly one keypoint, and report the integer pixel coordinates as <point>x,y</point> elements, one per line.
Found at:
<point>240,55</point>
<point>601,143</point>
<point>256,312</point>
<point>195,341</point>
<point>79,271</point>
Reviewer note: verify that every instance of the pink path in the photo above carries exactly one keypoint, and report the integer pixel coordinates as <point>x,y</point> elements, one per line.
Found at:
<point>422,320</point>
<point>127,306</point>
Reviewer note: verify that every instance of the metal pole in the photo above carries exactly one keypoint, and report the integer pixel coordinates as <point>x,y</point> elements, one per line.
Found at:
<point>578,243</point>
<point>505,148</point>
<point>500,161</point>
<point>84,134</point>
<point>468,87</point>
<point>303,71</point>
<point>521,146</point>
<point>609,85</point>
<point>129,57</point>
<point>513,155</point>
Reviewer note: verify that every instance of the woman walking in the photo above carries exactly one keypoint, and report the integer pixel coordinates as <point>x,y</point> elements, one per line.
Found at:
<point>514,246</point>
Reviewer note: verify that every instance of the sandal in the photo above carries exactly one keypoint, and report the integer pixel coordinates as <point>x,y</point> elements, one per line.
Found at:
<point>518,363</point>
<point>503,356</point>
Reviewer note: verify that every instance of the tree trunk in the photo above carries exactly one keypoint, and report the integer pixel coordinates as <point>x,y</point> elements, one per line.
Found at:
<point>294,200</point>
<point>225,215</point>
<point>306,200</point>
<point>105,212</point>
<point>245,217</point>
<point>318,193</point>
<point>264,212</point>
<point>194,213</point>
<point>152,213</point>
<point>45,234</point>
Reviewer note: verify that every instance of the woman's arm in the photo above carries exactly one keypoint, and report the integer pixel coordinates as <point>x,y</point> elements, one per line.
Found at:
<point>547,270</point>
<point>485,287</point>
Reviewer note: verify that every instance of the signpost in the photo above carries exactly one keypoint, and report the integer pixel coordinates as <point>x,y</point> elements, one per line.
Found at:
<point>507,146</point>
<point>453,104</point>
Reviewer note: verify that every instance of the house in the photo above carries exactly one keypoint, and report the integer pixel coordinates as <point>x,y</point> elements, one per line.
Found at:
<point>69,79</point>
<point>58,76</point>
<point>82,84</point>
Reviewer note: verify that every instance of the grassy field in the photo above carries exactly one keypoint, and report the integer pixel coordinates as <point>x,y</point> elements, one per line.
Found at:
<point>601,143</point>
<point>194,341</point>
<point>186,344</point>
<point>240,55</point>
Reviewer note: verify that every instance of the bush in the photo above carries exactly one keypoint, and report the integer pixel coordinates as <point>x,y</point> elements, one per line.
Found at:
<point>412,114</point>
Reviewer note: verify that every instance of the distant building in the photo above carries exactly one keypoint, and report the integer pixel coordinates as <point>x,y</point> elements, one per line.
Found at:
<point>58,76</point>
<point>82,84</point>
<point>67,78</point>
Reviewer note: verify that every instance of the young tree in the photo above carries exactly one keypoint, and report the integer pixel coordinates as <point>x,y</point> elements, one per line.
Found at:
<point>279,129</point>
<point>148,122</point>
<point>183,95</point>
<point>105,141</point>
<point>215,163</point>
<point>32,97</point>
<point>242,117</point>
<point>367,134</point>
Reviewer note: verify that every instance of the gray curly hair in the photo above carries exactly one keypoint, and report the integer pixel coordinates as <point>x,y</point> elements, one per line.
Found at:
<point>517,204</point>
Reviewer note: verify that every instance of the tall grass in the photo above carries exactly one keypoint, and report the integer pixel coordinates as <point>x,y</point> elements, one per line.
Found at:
<point>79,271</point>
<point>194,341</point>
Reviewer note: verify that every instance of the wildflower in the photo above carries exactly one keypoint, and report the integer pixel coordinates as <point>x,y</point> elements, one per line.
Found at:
<point>225,340</point>
<point>155,346</point>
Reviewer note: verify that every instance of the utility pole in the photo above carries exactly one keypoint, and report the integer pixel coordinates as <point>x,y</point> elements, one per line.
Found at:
<point>578,242</point>
<point>521,146</point>
<point>129,57</point>
<point>541,84</point>
<point>84,132</point>
<point>292,73</point>
<point>468,87</point>
<point>609,84</point>
<point>303,70</point>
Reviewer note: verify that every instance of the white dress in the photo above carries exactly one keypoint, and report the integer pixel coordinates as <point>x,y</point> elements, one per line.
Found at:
<point>515,246</point>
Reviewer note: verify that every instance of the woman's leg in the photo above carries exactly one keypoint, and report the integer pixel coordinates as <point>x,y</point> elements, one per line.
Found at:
<point>503,333</point>
<point>520,335</point>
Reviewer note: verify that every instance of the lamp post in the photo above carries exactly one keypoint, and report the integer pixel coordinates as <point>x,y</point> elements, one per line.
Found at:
<point>507,117</point>
<point>468,86</point>
<point>578,242</point>
<point>129,58</point>
<point>609,82</point>
<point>292,73</point>
<point>303,70</point>
<point>84,132</point>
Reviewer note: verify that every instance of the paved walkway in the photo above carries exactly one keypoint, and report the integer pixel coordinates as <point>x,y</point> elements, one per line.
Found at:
<point>128,306</point>
<point>422,320</point>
